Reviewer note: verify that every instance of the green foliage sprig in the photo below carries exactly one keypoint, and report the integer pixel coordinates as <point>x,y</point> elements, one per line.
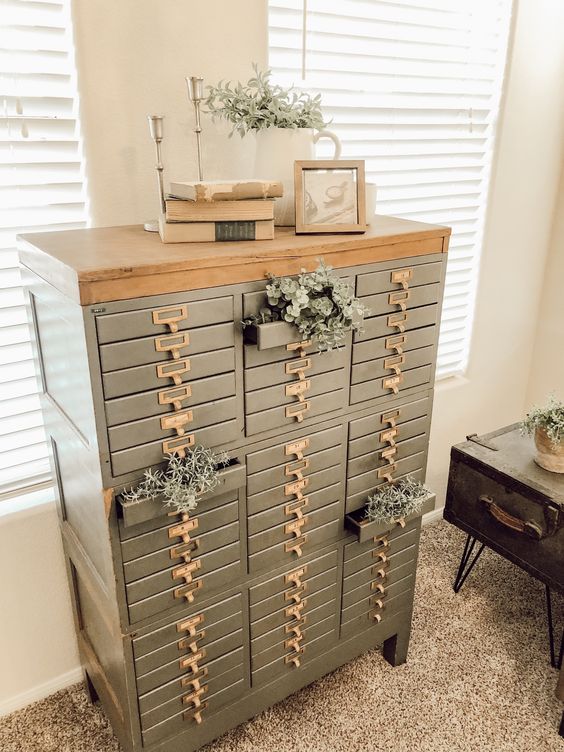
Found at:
<point>260,104</point>
<point>320,304</point>
<point>551,418</point>
<point>396,500</point>
<point>183,480</point>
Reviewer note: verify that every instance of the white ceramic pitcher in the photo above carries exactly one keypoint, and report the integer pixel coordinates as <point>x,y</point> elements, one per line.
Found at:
<point>277,150</point>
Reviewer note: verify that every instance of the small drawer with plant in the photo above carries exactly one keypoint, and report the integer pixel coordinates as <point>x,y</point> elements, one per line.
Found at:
<point>395,504</point>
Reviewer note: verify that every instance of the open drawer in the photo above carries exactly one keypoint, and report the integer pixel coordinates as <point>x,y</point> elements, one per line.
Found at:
<point>365,529</point>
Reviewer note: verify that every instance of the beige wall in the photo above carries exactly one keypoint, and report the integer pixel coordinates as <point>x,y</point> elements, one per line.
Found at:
<point>547,370</point>
<point>132,60</point>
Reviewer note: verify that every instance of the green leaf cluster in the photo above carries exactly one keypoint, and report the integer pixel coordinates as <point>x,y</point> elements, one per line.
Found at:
<point>396,500</point>
<point>182,481</point>
<point>551,418</point>
<point>320,304</point>
<point>260,104</point>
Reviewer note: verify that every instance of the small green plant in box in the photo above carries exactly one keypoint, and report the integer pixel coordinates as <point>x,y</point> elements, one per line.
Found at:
<point>183,481</point>
<point>319,304</point>
<point>547,426</point>
<point>396,500</point>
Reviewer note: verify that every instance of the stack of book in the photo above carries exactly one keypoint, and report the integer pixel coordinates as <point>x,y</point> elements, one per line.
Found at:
<point>220,211</point>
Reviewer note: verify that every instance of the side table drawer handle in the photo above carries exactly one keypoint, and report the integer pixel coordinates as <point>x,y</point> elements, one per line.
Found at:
<point>509,520</point>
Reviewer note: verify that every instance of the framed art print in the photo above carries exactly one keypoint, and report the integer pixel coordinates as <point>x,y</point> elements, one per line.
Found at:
<point>330,196</point>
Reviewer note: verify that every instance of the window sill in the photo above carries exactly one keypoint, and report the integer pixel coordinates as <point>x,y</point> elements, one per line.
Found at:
<point>27,504</point>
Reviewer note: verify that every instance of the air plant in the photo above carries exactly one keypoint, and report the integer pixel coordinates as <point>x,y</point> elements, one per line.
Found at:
<point>396,500</point>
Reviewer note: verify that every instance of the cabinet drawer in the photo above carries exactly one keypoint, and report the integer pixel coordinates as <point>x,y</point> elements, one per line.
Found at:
<point>387,302</point>
<point>278,634</point>
<point>261,377</point>
<point>278,475</point>
<point>144,378</point>
<point>385,347</point>
<point>308,442</point>
<point>379,558</point>
<point>310,633</point>
<point>379,369</point>
<point>278,534</point>
<point>305,571</point>
<point>115,327</point>
<point>414,275</point>
<point>140,457</point>
<point>254,357</point>
<point>403,432</point>
<point>284,598</point>
<point>417,377</point>
<point>360,617</point>
<point>373,460</point>
<point>226,651</point>
<point>369,577</point>
<point>311,537</point>
<point>361,486</point>
<point>279,618</point>
<point>205,617</point>
<point>203,586</point>
<point>388,423</point>
<point>383,326</point>
<point>285,415</point>
<point>162,559</point>
<point>137,406</point>
<point>314,482</point>
<point>398,537</point>
<point>264,399</point>
<point>136,352</point>
<point>278,515</point>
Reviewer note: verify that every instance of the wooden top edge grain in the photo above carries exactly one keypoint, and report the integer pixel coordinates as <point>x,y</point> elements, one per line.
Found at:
<point>73,260</point>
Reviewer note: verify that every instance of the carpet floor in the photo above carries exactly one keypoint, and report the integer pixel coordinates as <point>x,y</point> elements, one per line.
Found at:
<point>477,678</point>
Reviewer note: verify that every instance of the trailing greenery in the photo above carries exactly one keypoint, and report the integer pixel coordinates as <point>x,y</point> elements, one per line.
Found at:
<point>320,304</point>
<point>260,104</point>
<point>183,480</point>
<point>396,500</point>
<point>551,418</point>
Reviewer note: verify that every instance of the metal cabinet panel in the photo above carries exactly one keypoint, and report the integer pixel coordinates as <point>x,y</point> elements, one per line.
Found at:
<point>387,302</point>
<point>391,279</point>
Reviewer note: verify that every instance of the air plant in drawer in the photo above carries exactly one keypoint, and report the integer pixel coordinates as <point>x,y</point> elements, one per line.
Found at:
<point>317,304</point>
<point>391,504</point>
<point>183,481</point>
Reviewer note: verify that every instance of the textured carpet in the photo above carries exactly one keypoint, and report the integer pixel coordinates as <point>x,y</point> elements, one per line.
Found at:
<point>477,678</point>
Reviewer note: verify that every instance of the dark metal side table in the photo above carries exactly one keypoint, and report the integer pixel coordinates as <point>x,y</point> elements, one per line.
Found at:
<point>502,499</point>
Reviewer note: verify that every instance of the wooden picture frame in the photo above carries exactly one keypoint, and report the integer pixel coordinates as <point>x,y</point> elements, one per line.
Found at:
<point>352,189</point>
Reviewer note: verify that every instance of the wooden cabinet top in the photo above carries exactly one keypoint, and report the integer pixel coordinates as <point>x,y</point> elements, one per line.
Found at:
<point>119,263</point>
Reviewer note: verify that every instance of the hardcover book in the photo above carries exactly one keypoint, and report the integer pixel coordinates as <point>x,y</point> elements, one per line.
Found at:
<point>227,190</point>
<point>221,211</point>
<point>201,232</point>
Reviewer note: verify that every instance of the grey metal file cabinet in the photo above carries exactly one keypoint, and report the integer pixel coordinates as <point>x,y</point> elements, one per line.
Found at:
<point>188,625</point>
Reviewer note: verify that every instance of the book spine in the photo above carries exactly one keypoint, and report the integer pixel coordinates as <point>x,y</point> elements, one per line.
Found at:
<point>225,231</point>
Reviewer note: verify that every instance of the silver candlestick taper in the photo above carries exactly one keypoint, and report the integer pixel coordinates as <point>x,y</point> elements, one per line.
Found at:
<point>196,93</point>
<point>156,128</point>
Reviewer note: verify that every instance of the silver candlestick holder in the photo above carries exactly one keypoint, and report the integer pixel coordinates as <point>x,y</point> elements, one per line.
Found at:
<point>195,86</point>
<point>156,129</point>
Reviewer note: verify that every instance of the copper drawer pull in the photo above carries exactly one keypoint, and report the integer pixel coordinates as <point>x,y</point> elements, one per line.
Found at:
<point>295,657</point>
<point>294,642</point>
<point>186,570</point>
<point>177,422</point>
<point>170,316</point>
<point>194,697</point>
<point>295,546</point>
<point>394,363</point>
<point>508,520</point>
<point>196,713</point>
<point>190,624</point>
<point>298,367</point>
<point>399,297</point>
<point>191,662</point>
<point>388,454</point>
<point>295,594</point>
<point>175,397</point>
<point>296,487</point>
<point>172,343</point>
<point>296,576</point>
<point>298,389</point>
<point>297,468</point>
<point>396,343</point>
<point>179,445</point>
<point>297,411</point>
<point>297,448</point>
<point>185,550</point>
<point>195,679</point>
<point>393,383</point>
<point>184,529</point>
<point>295,611</point>
<point>382,542</point>
<point>398,321</point>
<point>375,616</point>
<point>296,507</point>
<point>295,526</point>
<point>389,436</point>
<point>391,417</point>
<point>386,472</point>
<point>299,346</point>
<point>378,602</point>
<point>295,627</point>
<point>381,572</point>
<point>188,591</point>
<point>174,370</point>
<point>402,277</point>
<point>378,586</point>
<point>379,555</point>
<point>192,642</point>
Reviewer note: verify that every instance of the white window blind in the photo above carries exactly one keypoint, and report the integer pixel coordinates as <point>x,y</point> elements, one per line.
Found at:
<point>412,87</point>
<point>41,188</point>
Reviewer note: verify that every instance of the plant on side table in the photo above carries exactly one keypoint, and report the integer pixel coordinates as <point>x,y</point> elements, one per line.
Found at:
<point>182,482</point>
<point>318,304</point>
<point>546,424</point>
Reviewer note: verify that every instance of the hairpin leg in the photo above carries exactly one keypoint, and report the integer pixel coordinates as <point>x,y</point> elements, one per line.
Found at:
<point>467,562</point>
<point>554,662</point>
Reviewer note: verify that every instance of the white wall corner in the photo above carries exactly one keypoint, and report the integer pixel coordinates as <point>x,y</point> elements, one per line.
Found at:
<point>41,691</point>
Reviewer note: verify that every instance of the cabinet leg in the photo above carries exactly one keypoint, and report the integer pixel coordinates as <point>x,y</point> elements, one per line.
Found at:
<point>561,729</point>
<point>90,688</point>
<point>395,648</point>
